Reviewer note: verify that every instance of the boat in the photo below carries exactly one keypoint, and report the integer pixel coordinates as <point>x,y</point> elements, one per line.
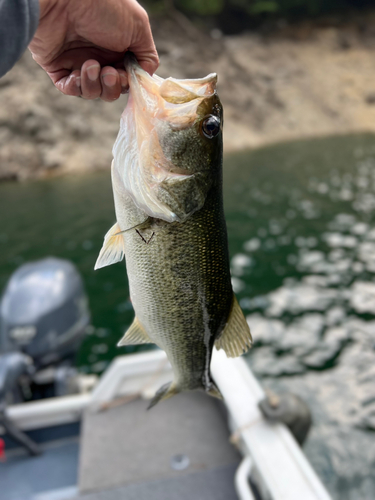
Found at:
<point>101,443</point>
<point>105,445</point>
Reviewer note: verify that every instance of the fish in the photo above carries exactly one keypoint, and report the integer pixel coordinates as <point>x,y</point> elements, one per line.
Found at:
<point>167,186</point>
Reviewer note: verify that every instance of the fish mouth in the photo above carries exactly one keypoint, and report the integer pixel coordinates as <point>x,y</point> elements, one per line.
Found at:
<point>170,99</point>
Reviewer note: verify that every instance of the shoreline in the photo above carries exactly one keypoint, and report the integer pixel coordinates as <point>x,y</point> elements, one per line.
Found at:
<point>303,82</point>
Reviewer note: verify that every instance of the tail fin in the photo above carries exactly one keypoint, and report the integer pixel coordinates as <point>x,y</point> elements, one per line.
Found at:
<point>166,391</point>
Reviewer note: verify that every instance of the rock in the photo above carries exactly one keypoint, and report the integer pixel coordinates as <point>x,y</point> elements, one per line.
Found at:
<point>335,315</point>
<point>366,253</point>
<point>303,334</point>
<point>300,298</point>
<point>370,98</point>
<point>239,262</point>
<point>363,297</point>
<point>260,77</point>
<point>237,284</point>
<point>252,245</point>
<point>308,259</point>
<point>342,222</point>
<point>315,280</point>
<point>328,349</point>
<point>259,302</point>
<point>339,240</point>
<point>360,228</point>
<point>266,364</point>
<point>264,330</point>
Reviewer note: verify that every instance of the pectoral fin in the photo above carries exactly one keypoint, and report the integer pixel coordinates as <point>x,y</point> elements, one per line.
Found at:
<point>236,337</point>
<point>136,334</point>
<point>113,248</point>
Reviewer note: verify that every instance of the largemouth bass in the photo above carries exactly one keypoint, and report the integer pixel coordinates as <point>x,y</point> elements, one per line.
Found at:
<point>167,186</point>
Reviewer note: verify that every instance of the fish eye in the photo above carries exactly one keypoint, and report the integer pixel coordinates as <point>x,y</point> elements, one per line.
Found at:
<point>211,126</point>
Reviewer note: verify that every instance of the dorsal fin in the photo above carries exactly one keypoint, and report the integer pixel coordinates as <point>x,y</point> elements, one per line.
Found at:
<point>136,334</point>
<point>113,248</point>
<point>236,337</point>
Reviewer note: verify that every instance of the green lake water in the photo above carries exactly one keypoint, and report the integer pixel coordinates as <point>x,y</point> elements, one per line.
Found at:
<point>301,225</point>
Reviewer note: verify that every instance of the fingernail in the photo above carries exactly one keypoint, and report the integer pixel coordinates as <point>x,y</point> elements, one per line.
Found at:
<point>93,72</point>
<point>109,80</point>
<point>124,84</point>
<point>123,80</point>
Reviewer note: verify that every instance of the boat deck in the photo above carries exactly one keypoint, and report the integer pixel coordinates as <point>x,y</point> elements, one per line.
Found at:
<point>179,449</point>
<point>128,452</point>
<point>37,478</point>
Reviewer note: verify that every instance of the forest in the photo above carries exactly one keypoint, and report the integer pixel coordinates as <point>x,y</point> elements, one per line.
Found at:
<point>234,16</point>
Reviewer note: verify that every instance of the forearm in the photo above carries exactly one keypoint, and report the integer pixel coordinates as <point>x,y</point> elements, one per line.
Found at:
<point>18,23</point>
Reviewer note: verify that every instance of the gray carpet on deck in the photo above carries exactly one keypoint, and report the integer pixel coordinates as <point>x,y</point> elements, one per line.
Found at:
<point>217,484</point>
<point>130,448</point>
<point>22,476</point>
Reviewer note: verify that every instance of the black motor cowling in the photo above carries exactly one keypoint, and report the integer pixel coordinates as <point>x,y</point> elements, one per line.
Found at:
<point>44,311</point>
<point>43,317</point>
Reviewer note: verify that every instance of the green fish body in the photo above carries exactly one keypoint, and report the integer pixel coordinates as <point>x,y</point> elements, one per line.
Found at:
<point>171,227</point>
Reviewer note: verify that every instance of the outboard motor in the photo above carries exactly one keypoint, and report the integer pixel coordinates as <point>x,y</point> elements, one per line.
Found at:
<point>44,312</point>
<point>43,317</point>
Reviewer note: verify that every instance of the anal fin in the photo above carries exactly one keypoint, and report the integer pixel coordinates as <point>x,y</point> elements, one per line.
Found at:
<point>113,248</point>
<point>236,338</point>
<point>136,334</point>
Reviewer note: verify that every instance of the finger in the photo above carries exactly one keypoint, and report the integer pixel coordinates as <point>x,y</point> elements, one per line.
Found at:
<point>149,63</point>
<point>68,82</point>
<point>110,84</point>
<point>124,81</point>
<point>90,80</point>
<point>144,47</point>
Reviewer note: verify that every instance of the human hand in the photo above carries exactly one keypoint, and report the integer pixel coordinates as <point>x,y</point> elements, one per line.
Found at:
<point>81,45</point>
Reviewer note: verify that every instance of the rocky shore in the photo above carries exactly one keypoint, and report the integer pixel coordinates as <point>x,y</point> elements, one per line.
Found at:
<point>298,81</point>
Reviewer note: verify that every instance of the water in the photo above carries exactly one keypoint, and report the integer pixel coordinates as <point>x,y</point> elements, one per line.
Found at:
<point>302,239</point>
<point>68,217</point>
<point>302,236</point>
